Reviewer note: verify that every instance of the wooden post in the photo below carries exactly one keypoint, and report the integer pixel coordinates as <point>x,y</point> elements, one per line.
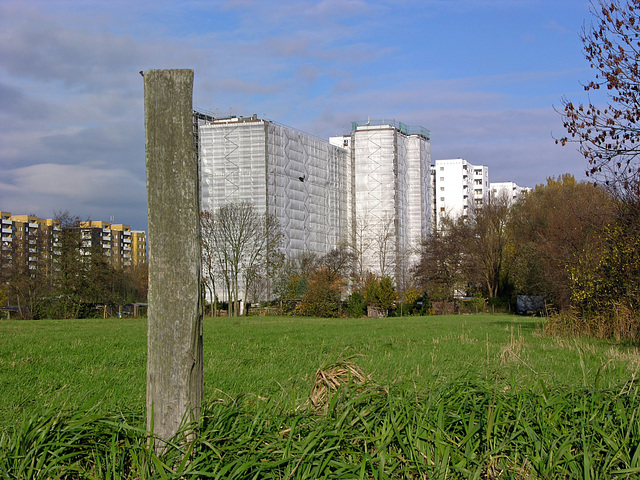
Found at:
<point>174,349</point>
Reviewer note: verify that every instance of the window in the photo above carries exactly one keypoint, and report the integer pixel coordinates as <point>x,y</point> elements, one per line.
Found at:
<point>442,169</point>
<point>442,209</point>
<point>442,199</point>
<point>442,189</point>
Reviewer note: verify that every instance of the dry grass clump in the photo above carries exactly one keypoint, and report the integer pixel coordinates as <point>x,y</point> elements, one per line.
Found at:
<point>330,378</point>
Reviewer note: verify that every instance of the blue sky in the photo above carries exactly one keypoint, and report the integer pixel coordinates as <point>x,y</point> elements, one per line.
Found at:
<point>482,75</point>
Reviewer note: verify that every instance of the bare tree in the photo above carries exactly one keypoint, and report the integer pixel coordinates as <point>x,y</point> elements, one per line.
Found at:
<point>383,240</point>
<point>487,244</point>
<point>362,245</point>
<point>209,270</point>
<point>240,242</point>
<point>608,135</point>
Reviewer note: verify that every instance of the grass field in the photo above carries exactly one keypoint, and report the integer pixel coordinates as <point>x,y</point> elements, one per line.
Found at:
<point>448,397</point>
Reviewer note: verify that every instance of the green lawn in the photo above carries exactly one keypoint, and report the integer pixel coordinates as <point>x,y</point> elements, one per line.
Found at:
<point>473,396</point>
<point>71,363</point>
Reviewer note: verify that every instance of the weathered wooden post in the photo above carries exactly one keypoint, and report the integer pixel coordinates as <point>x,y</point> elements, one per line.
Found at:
<point>174,351</point>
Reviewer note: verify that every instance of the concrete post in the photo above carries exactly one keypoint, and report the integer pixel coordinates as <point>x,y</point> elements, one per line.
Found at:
<point>174,351</point>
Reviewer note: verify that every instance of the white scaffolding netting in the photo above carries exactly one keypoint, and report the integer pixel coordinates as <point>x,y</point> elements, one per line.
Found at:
<point>299,179</point>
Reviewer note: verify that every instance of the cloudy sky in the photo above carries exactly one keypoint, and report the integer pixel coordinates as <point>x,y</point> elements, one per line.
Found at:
<point>482,75</point>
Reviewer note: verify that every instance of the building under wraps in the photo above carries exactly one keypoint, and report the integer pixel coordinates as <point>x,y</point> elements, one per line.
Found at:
<point>301,180</point>
<point>392,197</point>
<point>369,189</point>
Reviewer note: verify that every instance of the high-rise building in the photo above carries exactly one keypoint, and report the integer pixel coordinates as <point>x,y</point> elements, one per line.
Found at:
<point>509,190</point>
<point>370,189</point>
<point>299,179</point>
<point>458,187</point>
<point>29,241</point>
<point>115,241</point>
<point>391,193</point>
<point>138,247</point>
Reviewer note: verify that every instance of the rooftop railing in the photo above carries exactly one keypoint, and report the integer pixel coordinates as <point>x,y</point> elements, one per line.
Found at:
<point>401,127</point>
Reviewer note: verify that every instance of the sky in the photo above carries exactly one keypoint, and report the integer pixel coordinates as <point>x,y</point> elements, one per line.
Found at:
<point>486,77</point>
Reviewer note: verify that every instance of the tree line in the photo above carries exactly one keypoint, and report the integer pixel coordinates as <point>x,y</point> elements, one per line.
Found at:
<point>570,242</point>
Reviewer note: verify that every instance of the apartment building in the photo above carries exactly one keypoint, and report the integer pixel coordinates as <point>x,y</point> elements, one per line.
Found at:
<point>391,193</point>
<point>458,187</point>
<point>375,182</point>
<point>29,241</point>
<point>115,241</point>
<point>36,243</point>
<point>508,190</point>
<point>138,247</point>
<point>299,179</point>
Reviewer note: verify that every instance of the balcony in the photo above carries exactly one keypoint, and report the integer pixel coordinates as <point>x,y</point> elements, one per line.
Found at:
<point>7,230</point>
<point>106,238</point>
<point>126,248</point>
<point>106,246</point>
<point>33,225</point>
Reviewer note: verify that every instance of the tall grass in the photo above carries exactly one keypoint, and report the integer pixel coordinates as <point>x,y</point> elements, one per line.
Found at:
<point>448,397</point>
<point>621,323</point>
<point>467,428</point>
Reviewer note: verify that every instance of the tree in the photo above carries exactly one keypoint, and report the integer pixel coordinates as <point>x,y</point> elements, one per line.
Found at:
<point>240,243</point>
<point>381,293</point>
<point>71,277</point>
<point>322,297</point>
<point>551,228</point>
<point>293,277</point>
<point>439,271</point>
<point>384,245</point>
<point>209,264</point>
<point>362,246</point>
<point>487,243</point>
<point>609,136</point>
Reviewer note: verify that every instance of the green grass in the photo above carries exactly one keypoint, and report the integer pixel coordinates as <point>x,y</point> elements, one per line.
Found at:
<point>477,396</point>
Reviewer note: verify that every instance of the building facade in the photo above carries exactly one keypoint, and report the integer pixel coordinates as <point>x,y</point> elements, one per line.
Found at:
<point>30,242</point>
<point>120,245</point>
<point>138,247</point>
<point>458,187</point>
<point>369,189</point>
<point>300,180</point>
<point>509,190</point>
<point>36,243</point>
<point>391,194</point>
